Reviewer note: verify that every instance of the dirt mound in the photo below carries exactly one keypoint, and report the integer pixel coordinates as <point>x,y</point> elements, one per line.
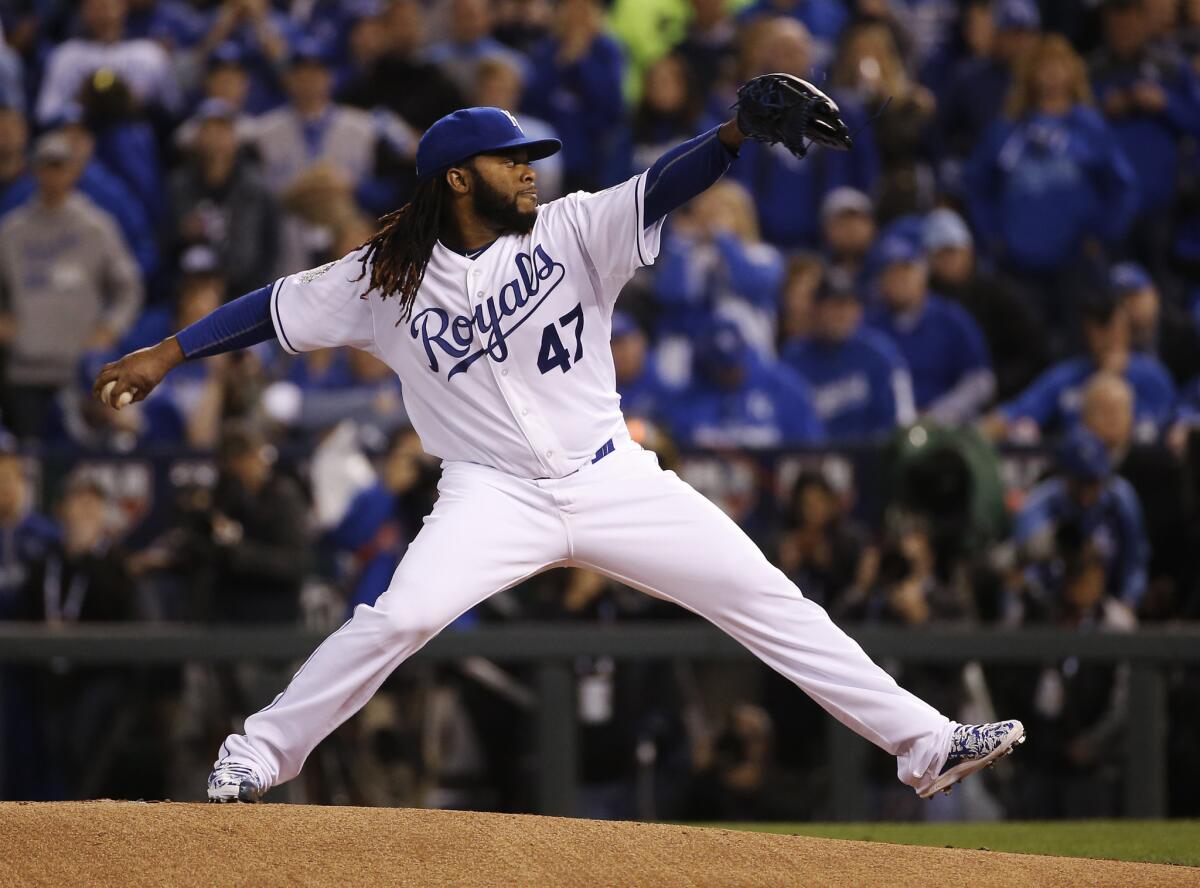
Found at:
<point>139,844</point>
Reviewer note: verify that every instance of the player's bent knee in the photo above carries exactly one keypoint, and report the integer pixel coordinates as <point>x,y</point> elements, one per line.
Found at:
<point>408,624</point>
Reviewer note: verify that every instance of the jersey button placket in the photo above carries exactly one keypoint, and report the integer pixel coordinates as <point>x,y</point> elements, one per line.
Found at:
<point>534,431</point>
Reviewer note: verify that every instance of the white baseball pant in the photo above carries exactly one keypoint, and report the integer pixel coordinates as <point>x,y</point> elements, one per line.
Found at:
<point>624,517</point>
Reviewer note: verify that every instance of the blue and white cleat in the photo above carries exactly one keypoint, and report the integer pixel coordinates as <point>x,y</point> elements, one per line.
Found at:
<point>235,782</point>
<point>973,748</point>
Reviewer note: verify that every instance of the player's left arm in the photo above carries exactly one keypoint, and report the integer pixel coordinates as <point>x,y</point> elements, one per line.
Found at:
<point>690,168</point>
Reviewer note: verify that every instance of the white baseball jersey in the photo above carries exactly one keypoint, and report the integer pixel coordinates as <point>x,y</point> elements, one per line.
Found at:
<point>505,361</point>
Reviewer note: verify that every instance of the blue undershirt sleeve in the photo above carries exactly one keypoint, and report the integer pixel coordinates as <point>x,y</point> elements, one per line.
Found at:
<point>244,322</point>
<point>683,172</point>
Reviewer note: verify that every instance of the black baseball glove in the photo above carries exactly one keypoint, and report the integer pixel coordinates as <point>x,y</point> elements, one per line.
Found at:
<point>781,108</point>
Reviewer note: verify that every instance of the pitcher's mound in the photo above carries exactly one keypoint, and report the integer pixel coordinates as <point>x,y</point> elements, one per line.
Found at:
<point>178,845</point>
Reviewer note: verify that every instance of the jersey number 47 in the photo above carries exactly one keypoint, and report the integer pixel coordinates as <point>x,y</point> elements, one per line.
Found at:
<point>553,353</point>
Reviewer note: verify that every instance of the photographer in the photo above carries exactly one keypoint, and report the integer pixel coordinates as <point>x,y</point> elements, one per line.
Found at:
<point>823,550</point>
<point>1079,710</point>
<point>260,535</point>
<point>1103,507</point>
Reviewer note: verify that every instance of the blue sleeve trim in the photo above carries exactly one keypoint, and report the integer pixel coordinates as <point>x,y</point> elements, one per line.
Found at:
<point>637,231</point>
<point>287,343</point>
<point>683,172</point>
<point>238,324</point>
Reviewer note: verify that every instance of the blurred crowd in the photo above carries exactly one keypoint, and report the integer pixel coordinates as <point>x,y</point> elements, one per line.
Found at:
<point>1008,262</point>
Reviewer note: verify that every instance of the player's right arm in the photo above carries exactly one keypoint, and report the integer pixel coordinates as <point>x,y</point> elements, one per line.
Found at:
<point>238,324</point>
<point>319,308</point>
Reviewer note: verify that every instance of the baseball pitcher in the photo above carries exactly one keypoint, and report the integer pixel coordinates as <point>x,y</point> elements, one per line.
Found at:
<point>495,312</point>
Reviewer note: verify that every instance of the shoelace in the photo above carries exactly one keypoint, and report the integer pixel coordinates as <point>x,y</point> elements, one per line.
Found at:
<point>239,771</point>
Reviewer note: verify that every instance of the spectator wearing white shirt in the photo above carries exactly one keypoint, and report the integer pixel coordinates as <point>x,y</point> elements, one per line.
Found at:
<point>143,64</point>
<point>12,76</point>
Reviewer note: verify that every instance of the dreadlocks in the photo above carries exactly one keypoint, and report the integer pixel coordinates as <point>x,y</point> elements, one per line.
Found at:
<point>403,244</point>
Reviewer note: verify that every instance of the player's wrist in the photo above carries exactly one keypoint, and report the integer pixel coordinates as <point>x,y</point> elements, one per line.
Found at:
<point>170,352</point>
<point>731,135</point>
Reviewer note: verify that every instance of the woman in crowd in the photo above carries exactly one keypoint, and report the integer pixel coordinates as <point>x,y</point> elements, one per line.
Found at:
<point>869,68</point>
<point>1049,189</point>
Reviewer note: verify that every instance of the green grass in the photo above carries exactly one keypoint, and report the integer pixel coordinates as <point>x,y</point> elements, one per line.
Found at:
<point>1150,841</point>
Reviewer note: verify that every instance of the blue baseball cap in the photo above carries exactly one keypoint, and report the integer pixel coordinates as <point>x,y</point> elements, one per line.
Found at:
<point>310,49</point>
<point>721,346</point>
<point>1018,15</point>
<point>1083,456</point>
<point>472,131</point>
<point>215,109</point>
<point>1128,277</point>
<point>227,53</point>
<point>899,247</point>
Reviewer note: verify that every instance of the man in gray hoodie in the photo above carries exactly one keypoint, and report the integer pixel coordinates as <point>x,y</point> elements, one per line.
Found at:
<point>68,284</point>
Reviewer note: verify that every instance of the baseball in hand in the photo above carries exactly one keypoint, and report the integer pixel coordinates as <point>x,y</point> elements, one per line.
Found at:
<point>123,400</point>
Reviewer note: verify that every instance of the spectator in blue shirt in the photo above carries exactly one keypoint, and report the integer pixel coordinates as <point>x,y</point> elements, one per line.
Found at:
<point>469,42</point>
<point>1151,98</point>
<point>366,41</point>
<point>27,539</point>
<point>788,191</point>
<point>1087,501</point>
<point>1017,342</point>
<point>713,262</point>
<point>429,95</point>
<point>1049,187</point>
<point>1157,327</point>
<point>262,35</point>
<point>941,343</point>
<point>870,71</point>
<point>860,384</point>
<point>368,393</point>
<point>26,535</point>
<point>737,399</point>
<point>643,392</point>
<point>1051,404</point>
<point>125,142</point>
<point>708,46</point>
<point>668,113</point>
<point>823,19</point>
<point>575,86</point>
<point>847,231</point>
<point>175,24</point>
<point>973,94</point>
<point>12,76</point>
